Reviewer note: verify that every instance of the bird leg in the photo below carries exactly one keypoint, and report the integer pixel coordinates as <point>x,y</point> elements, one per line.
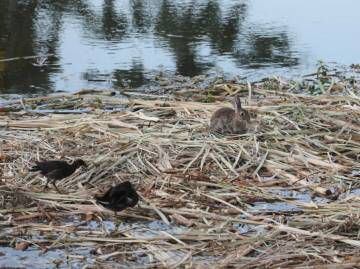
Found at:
<point>56,187</point>
<point>46,184</point>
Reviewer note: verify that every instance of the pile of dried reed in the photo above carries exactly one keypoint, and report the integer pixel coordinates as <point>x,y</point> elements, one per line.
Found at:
<point>205,186</point>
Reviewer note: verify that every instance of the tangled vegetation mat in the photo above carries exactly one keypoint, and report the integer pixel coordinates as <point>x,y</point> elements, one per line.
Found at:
<point>284,195</point>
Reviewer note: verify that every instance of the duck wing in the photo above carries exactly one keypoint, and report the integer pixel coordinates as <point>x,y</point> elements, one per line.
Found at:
<point>132,198</point>
<point>114,198</point>
<point>124,198</point>
<point>47,166</point>
<point>57,174</point>
<point>105,198</point>
<point>119,197</point>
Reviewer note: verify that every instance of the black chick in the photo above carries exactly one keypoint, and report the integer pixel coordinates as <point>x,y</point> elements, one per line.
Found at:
<point>119,197</point>
<point>56,170</point>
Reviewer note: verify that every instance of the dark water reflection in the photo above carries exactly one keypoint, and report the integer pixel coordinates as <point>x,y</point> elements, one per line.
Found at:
<point>112,43</point>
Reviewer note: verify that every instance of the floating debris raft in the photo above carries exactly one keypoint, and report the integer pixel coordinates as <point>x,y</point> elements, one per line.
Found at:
<point>285,194</point>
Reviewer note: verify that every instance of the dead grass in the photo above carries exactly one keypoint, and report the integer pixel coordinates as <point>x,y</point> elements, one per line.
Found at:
<point>191,178</point>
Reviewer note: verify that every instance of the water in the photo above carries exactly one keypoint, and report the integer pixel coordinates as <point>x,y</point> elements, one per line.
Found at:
<point>120,43</point>
<point>34,258</point>
<point>77,255</point>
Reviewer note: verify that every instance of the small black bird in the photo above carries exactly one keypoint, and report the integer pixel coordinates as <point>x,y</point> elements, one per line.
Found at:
<point>56,170</point>
<point>119,197</point>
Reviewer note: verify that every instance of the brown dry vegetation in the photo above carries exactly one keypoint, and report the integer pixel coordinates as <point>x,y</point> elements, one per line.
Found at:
<point>190,178</point>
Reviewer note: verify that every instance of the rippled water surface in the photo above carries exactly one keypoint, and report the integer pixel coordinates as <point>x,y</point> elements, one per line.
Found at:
<point>117,43</point>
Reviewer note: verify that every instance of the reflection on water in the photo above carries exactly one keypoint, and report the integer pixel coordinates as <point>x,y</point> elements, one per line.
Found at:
<point>104,43</point>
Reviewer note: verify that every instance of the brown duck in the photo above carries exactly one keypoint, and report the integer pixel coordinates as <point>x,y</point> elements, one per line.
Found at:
<point>56,170</point>
<point>119,197</point>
